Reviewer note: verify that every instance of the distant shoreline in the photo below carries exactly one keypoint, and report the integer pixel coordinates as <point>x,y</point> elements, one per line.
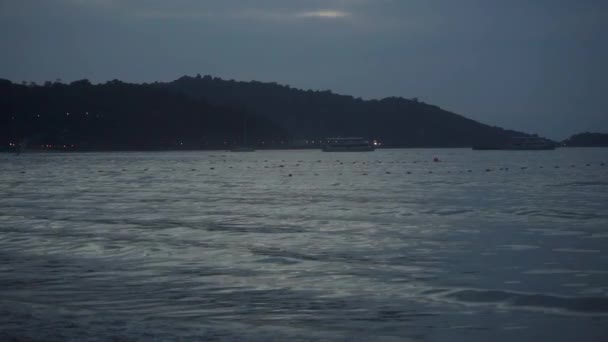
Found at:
<point>51,151</point>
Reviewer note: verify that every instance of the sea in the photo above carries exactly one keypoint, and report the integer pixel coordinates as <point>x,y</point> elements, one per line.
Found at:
<point>391,245</point>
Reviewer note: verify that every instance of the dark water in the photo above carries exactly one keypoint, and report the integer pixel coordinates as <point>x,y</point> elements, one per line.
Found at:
<point>379,246</point>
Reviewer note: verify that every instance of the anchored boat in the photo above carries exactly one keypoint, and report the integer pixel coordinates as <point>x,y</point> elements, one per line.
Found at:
<point>245,147</point>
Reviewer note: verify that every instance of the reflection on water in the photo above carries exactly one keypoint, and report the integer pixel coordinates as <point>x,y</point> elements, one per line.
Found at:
<point>385,246</point>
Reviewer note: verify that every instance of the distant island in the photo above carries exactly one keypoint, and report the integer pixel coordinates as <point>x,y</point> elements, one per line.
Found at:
<point>587,140</point>
<point>205,112</point>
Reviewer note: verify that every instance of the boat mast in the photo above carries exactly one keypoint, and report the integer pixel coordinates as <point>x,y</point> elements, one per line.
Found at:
<point>245,132</point>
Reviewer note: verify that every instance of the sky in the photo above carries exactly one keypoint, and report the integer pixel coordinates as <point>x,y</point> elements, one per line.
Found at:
<point>536,66</point>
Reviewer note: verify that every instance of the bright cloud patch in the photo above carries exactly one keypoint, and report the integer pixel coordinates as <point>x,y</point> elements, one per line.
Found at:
<point>323,14</point>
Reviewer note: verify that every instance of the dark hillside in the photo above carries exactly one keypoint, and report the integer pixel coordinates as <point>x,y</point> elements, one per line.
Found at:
<point>317,114</point>
<point>118,115</point>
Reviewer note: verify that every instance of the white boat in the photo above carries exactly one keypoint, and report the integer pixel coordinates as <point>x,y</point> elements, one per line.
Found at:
<point>355,144</point>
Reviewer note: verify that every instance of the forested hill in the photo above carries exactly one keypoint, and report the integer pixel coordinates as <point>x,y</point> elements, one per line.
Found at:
<point>205,112</point>
<point>120,116</point>
<point>587,140</point>
<point>309,114</point>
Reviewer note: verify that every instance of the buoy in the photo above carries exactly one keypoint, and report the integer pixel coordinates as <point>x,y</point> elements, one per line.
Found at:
<point>388,173</point>
<point>290,175</point>
<point>436,160</point>
<point>212,168</point>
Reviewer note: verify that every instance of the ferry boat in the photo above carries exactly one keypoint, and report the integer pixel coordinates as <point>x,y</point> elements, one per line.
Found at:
<point>355,144</point>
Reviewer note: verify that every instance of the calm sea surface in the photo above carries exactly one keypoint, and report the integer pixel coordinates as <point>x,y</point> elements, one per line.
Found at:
<point>382,246</point>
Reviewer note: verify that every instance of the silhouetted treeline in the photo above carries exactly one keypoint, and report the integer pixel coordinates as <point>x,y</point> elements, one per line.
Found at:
<point>120,116</point>
<point>319,114</point>
<point>587,140</point>
<point>206,112</point>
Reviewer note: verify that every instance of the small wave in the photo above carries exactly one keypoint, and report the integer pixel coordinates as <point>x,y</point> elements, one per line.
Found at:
<point>281,253</point>
<point>246,228</point>
<point>523,212</point>
<point>582,183</point>
<point>534,301</point>
<point>447,212</point>
<point>278,260</point>
<point>576,250</point>
<point>556,213</point>
<point>565,214</point>
<point>519,247</point>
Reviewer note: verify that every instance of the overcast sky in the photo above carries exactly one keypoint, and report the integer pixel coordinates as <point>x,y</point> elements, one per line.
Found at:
<point>533,65</point>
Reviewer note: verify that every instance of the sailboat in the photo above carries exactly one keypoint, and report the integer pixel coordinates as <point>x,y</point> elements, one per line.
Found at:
<point>245,147</point>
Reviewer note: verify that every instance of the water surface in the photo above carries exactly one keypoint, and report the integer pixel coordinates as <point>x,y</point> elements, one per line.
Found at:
<point>305,245</point>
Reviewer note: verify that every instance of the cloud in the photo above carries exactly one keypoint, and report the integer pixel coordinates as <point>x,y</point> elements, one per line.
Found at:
<point>289,15</point>
<point>264,10</point>
<point>326,14</point>
<point>255,14</point>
